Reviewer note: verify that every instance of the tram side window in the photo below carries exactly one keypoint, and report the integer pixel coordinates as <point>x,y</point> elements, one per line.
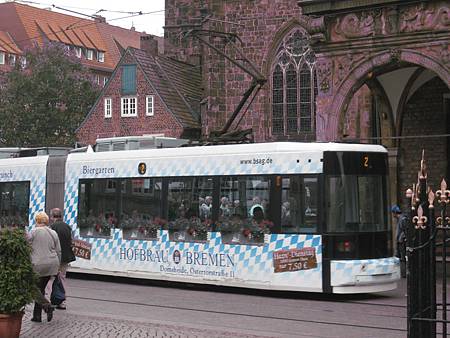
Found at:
<point>15,197</point>
<point>190,208</point>
<point>299,204</point>
<point>244,208</point>
<point>355,203</point>
<point>97,214</point>
<point>140,206</point>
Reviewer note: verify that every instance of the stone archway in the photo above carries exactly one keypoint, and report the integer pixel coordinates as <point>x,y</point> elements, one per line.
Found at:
<point>331,109</point>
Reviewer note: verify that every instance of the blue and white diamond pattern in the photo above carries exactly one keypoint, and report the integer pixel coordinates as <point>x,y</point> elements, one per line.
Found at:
<point>251,263</point>
<point>345,272</point>
<point>32,170</point>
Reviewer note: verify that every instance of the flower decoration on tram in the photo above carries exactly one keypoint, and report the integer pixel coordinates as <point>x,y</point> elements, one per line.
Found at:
<point>150,230</point>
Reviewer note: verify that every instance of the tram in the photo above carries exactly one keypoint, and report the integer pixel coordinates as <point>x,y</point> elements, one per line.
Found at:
<point>282,216</point>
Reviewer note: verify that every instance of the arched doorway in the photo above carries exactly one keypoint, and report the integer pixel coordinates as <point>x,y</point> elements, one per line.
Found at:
<point>397,99</point>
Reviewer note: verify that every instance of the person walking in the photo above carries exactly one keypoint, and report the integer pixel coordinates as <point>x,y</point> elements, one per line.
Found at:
<point>65,238</point>
<point>400,237</point>
<point>46,257</point>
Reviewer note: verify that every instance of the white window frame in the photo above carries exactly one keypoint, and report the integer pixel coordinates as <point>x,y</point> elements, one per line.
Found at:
<point>2,58</point>
<point>150,105</point>
<point>78,52</point>
<point>128,106</point>
<point>97,79</point>
<point>101,56</point>
<point>108,107</point>
<point>105,80</point>
<point>89,54</point>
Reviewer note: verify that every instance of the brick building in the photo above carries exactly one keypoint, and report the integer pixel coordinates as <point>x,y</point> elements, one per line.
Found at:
<point>147,94</point>
<point>369,71</point>
<point>98,44</point>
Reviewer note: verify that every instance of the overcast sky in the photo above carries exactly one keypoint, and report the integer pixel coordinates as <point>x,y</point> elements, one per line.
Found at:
<point>150,23</point>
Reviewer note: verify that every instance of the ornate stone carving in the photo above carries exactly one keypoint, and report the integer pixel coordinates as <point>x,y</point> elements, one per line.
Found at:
<point>445,54</point>
<point>355,25</point>
<point>389,21</point>
<point>314,26</point>
<point>323,68</point>
<point>343,64</point>
<point>395,55</point>
<point>425,17</point>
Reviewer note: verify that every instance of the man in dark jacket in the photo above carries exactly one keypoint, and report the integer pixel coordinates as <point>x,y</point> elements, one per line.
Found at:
<point>65,238</point>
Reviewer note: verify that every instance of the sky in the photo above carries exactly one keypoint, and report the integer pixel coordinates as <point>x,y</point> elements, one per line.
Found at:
<point>151,23</point>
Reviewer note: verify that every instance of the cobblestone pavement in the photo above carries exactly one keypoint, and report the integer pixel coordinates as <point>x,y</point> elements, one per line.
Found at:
<point>66,324</point>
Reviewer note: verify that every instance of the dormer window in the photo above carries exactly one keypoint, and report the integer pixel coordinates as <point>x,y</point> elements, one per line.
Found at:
<point>89,54</point>
<point>101,57</point>
<point>2,58</point>
<point>78,52</point>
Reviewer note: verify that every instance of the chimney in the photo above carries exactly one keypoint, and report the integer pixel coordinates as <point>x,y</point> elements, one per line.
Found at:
<point>99,18</point>
<point>149,44</point>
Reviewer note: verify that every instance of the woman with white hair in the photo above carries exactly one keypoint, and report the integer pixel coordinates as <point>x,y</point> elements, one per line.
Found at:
<point>46,257</point>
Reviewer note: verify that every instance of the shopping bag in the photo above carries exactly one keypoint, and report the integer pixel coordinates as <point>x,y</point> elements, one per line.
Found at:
<point>58,294</point>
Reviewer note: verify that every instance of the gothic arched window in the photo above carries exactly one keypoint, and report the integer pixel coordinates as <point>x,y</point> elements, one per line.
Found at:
<point>293,86</point>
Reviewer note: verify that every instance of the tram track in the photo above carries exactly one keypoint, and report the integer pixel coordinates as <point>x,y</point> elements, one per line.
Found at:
<point>257,316</point>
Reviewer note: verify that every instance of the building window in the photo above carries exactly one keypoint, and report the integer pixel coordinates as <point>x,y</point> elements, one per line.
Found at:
<point>108,108</point>
<point>293,86</point>
<point>89,54</point>
<point>101,57</point>
<point>149,110</point>
<point>12,59</point>
<point>2,58</point>
<point>128,79</point>
<point>97,79</point>
<point>78,52</point>
<point>128,106</point>
<point>105,80</point>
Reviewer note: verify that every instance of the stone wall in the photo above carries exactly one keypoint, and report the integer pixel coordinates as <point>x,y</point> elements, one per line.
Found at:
<point>424,115</point>
<point>259,24</point>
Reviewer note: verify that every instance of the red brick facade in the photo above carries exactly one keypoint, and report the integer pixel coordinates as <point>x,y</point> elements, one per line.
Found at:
<point>260,25</point>
<point>97,126</point>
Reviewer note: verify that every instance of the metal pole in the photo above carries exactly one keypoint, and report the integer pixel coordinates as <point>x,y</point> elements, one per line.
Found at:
<point>445,224</point>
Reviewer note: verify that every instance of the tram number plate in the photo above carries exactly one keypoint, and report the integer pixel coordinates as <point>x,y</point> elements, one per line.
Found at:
<point>81,248</point>
<point>294,259</point>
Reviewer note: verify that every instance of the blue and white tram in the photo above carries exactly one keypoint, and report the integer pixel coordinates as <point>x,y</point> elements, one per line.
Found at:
<point>285,216</point>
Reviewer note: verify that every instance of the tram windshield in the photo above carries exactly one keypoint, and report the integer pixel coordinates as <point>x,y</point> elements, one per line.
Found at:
<point>355,203</point>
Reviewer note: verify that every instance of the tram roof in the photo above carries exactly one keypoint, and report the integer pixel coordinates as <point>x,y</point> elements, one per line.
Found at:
<point>235,149</point>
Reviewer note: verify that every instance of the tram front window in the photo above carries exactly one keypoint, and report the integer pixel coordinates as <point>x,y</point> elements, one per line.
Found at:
<point>355,203</point>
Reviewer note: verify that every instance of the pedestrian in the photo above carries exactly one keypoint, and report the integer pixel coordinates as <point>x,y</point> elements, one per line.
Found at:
<point>46,257</point>
<point>400,237</point>
<point>65,238</point>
